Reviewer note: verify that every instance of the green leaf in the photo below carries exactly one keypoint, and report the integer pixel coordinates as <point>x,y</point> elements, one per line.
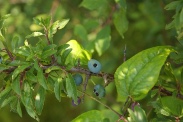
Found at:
<point>3,67</point>
<point>81,32</point>
<point>7,101</point>
<point>43,20</point>
<point>57,25</point>
<point>18,70</point>
<point>2,39</point>
<point>41,78</point>
<point>16,85</point>
<point>173,5</point>
<point>57,88</point>
<point>34,34</point>
<point>4,94</point>
<point>121,22</point>
<point>18,63</point>
<point>40,75</point>
<point>30,76</point>
<point>109,115</point>
<point>90,116</point>
<point>48,52</point>
<point>77,53</point>
<point>5,16</point>
<point>46,21</point>
<point>176,109</point>
<point>52,68</point>
<point>93,4</point>
<point>5,91</point>
<point>18,109</point>
<point>15,106</point>
<point>30,110</point>
<point>169,72</point>
<point>23,51</point>
<point>71,88</point>
<point>40,99</point>
<point>15,42</point>
<point>64,55</point>
<point>36,65</point>
<point>138,115</point>
<point>122,3</point>
<point>181,17</point>
<point>170,25</point>
<point>61,48</point>
<point>28,102</point>
<point>2,20</point>
<point>138,75</point>
<point>37,21</point>
<point>103,39</point>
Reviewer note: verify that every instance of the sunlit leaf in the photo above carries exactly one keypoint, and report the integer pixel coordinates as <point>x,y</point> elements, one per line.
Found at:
<point>34,34</point>
<point>138,75</point>
<point>57,25</point>
<point>138,115</point>
<point>77,53</point>
<point>90,116</point>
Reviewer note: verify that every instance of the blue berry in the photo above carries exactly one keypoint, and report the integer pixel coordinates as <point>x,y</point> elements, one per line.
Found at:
<point>78,102</point>
<point>99,90</point>
<point>1,59</point>
<point>78,79</point>
<point>94,66</point>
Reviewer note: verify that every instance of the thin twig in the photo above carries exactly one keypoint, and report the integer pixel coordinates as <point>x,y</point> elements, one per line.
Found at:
<point>10,54</point>
<point>120,115</point>
<point>87,77</point>
<point>124,54</point>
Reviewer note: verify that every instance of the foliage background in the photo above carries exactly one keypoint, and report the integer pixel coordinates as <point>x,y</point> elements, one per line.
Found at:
<point>146,28</point>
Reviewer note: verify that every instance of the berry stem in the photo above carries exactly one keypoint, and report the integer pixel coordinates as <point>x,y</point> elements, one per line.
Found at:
<point>87,77</point>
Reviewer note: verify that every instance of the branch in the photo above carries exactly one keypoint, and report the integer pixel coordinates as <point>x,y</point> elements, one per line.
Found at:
<point>108,77</point>
<point>9,54</point>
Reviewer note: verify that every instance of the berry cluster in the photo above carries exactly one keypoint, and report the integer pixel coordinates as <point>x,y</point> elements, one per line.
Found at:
<point>94,66</point>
